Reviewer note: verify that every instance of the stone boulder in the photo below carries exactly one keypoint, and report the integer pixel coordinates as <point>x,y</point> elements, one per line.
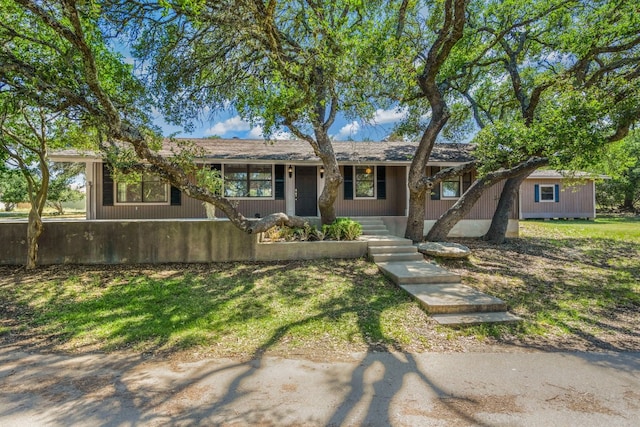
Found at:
<point>444,249</point>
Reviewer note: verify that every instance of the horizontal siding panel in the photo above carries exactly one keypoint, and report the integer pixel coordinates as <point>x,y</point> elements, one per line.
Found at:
<point>483,209</point>
<point>393,205</point>
<point>576,200</point>
<point>258,208</point>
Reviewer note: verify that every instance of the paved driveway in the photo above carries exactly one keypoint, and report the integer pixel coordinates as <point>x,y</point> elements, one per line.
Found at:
<point>373,389</point>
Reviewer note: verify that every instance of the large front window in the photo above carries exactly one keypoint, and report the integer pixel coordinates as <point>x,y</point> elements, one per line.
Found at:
<point>365,181</point>
<point>248,181</point>
<point>150,189</point>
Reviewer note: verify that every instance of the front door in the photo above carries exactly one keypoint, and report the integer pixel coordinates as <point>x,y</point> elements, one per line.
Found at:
<point>306,191</point>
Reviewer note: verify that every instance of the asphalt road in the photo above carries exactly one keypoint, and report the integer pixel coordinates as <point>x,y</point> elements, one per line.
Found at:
<point>370,389</point>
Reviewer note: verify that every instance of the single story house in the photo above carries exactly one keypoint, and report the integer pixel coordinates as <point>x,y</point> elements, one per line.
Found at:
<point>286,176</point>
<point>547,194</point>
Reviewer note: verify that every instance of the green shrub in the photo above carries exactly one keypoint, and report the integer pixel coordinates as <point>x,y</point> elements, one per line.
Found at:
<point>342,229</point>
<point>290,234</point>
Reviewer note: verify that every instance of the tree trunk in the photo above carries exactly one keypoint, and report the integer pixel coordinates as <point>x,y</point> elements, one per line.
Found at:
<point>34,230</point>
<point>329,194</point>
<point>498,229</point>
<point>415,220</point>
<point>459,210</point>
<point>462,207</point>
<point>627,202</point>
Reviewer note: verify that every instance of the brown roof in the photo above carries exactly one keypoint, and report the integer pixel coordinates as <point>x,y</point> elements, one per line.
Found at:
<point>561,174</point>
<point>345,151</point>
<point>301,151</point>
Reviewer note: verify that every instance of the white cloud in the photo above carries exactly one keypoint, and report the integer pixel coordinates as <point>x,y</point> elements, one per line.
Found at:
<point>256,133</point>
<point>348,130</point>
<point>388,116</point>
<point>232,124</point>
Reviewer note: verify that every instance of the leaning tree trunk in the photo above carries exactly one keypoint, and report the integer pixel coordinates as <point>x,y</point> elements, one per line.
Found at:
<point>459,210</point>
<point>34,231</point>
<point>415,220</point>
<point>499,223</point>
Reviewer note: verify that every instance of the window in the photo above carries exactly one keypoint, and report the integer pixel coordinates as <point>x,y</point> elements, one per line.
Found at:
<point>365,182</point>
<point>248,181</point>
<point>150,189</point>
<point>450,189</point>
<point>547,193</point>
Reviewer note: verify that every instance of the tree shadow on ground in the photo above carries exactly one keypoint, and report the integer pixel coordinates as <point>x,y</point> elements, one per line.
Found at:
<point>576,293</point>
<point>138,301</point>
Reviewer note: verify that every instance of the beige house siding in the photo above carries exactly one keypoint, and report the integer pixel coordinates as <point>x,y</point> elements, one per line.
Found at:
<point>576,200</point>
<point>483,209</point>
<point>393,205</point>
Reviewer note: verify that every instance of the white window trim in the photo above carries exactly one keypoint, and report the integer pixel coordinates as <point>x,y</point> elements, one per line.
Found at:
<point>374,172</point>
<point>167,195</point>
<point>273,182</point>
<point>553,191</point>
<point>442,196</point>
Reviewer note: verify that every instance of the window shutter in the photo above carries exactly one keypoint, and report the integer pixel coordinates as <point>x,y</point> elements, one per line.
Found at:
<point>348,182</point>
<point>381,182</point>
<point>466,182</point>
<point>557,193</point>
<point>176,196</point>
<point>279,182</point>
<point>536,193</point>
<point>107,186</point>
<point>435,191</point>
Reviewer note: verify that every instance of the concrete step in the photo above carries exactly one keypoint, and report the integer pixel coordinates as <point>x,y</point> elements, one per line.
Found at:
<point>454,298</point>
<point>475,318</point>
<point>396,257</point>
<point>368,219</point>
<point>371,223</point>
<point>386,240</point>
<point>417,272</point>
<point>392,249</point>
<point>380,227</point>
<point>383,232</point>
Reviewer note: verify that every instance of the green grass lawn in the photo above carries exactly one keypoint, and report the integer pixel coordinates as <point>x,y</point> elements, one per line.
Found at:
<point>229,309</point>
<point>21,213</point>
<point>576,284</point>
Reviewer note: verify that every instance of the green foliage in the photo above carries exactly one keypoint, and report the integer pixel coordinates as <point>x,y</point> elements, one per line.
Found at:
<point>210,179</point>
<point>343,229</point>
<point>288,63</point>
<point>60,189</point>
<point>622,164</point>
<point>13,188</point>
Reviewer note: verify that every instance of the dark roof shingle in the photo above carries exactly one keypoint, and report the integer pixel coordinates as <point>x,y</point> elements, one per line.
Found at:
<point>299,150</point>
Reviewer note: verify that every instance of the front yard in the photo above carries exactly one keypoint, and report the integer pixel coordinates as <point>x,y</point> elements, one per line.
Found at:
<point>575,283</point>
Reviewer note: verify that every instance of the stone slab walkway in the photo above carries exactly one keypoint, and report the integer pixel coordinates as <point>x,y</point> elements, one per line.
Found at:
<point>438,290</point>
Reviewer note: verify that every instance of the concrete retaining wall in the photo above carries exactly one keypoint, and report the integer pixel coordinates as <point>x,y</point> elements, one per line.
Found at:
<point>157,241</point>
<point>129,242</point>
<point>280,251</point>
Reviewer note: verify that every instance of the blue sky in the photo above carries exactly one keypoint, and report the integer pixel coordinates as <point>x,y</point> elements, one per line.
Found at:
<point>229,125</point>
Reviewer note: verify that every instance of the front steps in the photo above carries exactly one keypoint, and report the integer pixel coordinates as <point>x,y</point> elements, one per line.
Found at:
<point>438,290</point>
